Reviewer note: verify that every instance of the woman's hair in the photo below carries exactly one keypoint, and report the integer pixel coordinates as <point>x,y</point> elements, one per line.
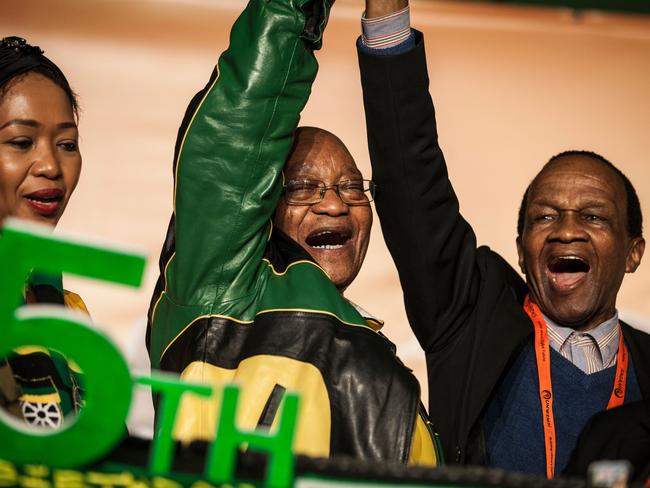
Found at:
<point>17,59</point>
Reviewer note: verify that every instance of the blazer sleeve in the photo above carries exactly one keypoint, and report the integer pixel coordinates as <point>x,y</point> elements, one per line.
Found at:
<point>433,247</point>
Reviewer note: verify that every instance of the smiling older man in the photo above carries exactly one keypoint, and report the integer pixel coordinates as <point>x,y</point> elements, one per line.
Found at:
<point>333,226</point>
<point>515,368</point>
<point>246,300</point>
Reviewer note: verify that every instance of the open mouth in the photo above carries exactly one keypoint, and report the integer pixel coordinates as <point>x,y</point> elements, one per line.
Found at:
<point>328,239</point>
<point>566,272</point>
<point>46,202</point>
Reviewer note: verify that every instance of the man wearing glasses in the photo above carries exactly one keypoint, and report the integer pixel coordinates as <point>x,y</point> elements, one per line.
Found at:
<point>253,295</point>
<point>333,226</point>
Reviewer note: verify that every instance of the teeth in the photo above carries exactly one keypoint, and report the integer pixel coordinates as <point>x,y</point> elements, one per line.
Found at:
<point>328,246</point>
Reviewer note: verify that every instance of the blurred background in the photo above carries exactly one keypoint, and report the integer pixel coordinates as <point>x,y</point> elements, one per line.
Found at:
<point>513,82</point>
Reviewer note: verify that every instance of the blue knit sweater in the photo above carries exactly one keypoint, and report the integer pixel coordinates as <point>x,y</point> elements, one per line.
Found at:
<point>513,420</point>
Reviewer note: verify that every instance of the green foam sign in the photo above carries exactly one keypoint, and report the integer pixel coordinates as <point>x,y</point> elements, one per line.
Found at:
<point>27,248</point>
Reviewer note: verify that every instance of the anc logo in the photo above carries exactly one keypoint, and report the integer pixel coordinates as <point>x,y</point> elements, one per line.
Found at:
<point>46,414</point>
<point>546,395</point>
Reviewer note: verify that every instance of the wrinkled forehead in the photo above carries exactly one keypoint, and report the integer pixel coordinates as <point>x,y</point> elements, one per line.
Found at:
<point>576,174</point>
<point>319,154</point>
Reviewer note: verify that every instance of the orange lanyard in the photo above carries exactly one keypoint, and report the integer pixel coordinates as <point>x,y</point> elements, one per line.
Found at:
<point>542,355</point>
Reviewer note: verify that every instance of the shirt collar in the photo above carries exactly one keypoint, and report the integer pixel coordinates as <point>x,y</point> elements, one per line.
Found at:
<point>606,336</point>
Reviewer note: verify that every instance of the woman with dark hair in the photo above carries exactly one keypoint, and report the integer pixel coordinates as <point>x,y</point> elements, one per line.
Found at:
<point>40,164</point>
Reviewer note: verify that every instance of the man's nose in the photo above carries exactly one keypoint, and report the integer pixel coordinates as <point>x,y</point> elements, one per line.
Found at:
<point>46,162</point>
<point>569,227</point>
<point>331,204</point>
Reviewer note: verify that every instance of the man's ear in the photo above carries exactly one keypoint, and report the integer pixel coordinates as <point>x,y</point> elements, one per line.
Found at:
<point>634,255</point>
<point>520,253</point>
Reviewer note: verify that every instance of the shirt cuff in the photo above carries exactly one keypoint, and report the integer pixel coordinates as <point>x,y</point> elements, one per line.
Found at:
<point>386,32</point>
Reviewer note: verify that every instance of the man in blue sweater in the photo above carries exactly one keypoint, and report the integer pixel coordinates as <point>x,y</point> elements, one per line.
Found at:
<point>515,368</point>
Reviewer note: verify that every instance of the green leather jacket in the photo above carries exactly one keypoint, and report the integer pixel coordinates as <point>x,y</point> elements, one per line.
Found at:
<point>237,300</point>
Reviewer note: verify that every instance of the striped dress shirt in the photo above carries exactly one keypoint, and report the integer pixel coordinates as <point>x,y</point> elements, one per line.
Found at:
<point>387,31</point>
<point>591,351</point>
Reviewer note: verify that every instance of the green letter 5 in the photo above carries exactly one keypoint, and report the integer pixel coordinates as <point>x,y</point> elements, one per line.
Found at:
<point>100,424</point>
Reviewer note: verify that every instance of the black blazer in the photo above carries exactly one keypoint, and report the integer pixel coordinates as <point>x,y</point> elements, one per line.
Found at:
<point>463,302</point>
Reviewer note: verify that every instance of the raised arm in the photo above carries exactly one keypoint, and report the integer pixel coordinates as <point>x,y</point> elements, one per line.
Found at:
<point>231,147</point>
<point>234,147</point>
<point>434,248</point>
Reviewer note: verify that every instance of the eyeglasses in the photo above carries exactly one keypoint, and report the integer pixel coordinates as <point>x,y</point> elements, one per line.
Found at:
<point>309,192</point>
